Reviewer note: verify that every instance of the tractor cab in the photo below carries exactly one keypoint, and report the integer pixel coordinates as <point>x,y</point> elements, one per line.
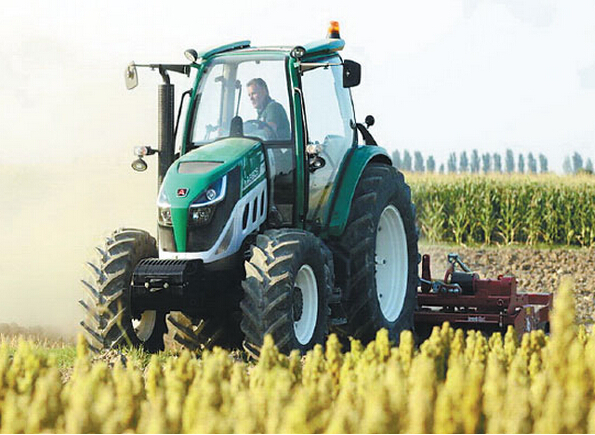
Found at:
<point>296,102</point>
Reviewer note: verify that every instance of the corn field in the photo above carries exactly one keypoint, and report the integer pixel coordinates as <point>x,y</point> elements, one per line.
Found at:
<point>505,209</point>
<point>454,382</point>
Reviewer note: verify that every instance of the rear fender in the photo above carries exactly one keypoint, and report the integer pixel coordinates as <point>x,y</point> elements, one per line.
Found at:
<point>358,159</point>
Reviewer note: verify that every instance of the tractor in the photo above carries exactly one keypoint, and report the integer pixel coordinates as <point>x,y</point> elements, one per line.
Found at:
<point>278,215</point>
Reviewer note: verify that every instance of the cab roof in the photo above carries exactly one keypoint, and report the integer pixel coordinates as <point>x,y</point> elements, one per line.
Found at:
<point>312,49</point>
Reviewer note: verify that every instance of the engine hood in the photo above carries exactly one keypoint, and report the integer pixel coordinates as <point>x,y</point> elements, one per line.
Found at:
<point>198,169</point>
<point>190,175</point>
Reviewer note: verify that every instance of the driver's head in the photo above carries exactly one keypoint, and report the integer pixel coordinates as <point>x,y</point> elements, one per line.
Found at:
<point>258,92</point>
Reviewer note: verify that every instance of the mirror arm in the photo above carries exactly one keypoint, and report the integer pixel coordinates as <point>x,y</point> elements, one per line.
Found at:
<point>317,65</point>
<point>313,65</point>
<point>179,68</point>
<point>368,139</point>
<point>132,77</point>
<point>164,68</point>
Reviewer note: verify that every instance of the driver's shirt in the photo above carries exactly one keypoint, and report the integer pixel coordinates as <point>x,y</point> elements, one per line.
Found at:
<point>275,113</point>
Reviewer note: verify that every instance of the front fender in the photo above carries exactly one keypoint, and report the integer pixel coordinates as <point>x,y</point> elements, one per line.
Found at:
<point>359,158</point>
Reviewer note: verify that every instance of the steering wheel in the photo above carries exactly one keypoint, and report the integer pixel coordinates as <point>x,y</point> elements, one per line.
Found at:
<point>256,126</point>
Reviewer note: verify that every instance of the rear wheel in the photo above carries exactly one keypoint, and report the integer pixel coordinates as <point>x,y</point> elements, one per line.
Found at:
<point>288,283</point>
<point>380,243</point>
<point>110,320</point>
<point>391,263</point>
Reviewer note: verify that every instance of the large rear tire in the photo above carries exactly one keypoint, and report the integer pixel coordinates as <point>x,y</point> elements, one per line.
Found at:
<point>289,280</point>
<point>380,243</point>
<point>109,319</point>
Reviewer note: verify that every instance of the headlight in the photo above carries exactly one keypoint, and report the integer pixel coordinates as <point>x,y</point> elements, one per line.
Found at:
<point>163,209</point>
<point>203,207</point>
<point>202,215</point>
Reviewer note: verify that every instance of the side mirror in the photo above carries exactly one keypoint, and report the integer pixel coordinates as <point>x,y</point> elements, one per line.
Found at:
<point>352,73</point>
<point>369,121</point>
<point>131,77</point>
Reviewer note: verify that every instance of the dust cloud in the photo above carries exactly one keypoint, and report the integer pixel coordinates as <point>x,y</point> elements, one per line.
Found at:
<point>51,217</point>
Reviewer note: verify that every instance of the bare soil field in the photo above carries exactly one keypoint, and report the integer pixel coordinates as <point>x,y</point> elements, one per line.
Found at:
<point>536,269</point>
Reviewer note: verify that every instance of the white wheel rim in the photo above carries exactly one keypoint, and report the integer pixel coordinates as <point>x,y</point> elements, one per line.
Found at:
<point>391,263</point>
<point>304,327</point>
<point>143,327</point>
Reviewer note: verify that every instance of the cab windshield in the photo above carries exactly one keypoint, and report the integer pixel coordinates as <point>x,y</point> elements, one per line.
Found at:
<point>246,94</point>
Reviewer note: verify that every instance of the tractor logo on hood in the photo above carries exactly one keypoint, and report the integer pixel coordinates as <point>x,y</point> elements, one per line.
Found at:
<point>182,192</point>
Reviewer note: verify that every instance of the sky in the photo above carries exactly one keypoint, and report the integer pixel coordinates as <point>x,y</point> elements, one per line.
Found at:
<point>439,76</point>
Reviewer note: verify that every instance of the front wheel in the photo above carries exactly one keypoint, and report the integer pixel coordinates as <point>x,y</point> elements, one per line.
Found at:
<point>110,320</point>
<point>380,242</point>
<point>196,333</point>
<point>289,280</point>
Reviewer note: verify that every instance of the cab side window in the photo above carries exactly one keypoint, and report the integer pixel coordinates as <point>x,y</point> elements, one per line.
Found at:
<point>329,116</point>
<point>328,105</point>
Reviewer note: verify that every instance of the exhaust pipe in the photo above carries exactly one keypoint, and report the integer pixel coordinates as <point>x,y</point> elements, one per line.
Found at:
<point>166,125</point>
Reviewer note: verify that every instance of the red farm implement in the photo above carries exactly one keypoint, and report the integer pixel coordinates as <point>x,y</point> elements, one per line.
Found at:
<point>466,301</point>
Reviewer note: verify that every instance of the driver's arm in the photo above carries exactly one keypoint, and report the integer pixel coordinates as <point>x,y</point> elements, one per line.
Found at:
<point>277,120</point>
<point>273,126</point>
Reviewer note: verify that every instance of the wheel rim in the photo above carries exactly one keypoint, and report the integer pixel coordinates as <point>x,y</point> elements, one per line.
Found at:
<point>391,263</point>
<point>144,327</point>
<point>304,323</point>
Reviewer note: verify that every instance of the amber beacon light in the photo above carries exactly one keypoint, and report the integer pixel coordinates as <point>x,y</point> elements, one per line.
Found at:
<point>333,30</point>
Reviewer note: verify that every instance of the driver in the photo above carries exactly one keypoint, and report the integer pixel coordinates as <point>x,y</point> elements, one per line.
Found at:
<point>269,111</point>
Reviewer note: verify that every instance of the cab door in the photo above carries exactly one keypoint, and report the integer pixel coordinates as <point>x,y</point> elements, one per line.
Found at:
<point>329,120</point>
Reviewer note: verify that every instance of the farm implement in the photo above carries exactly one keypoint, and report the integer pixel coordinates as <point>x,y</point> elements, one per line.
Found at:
<point>465,300</point>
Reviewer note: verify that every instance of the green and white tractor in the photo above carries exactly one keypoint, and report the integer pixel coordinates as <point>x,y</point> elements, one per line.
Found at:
<point>279,214</point>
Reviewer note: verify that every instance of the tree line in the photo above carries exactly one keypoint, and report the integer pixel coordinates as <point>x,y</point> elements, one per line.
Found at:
<point>575,164</point>
<point>476,163</point>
